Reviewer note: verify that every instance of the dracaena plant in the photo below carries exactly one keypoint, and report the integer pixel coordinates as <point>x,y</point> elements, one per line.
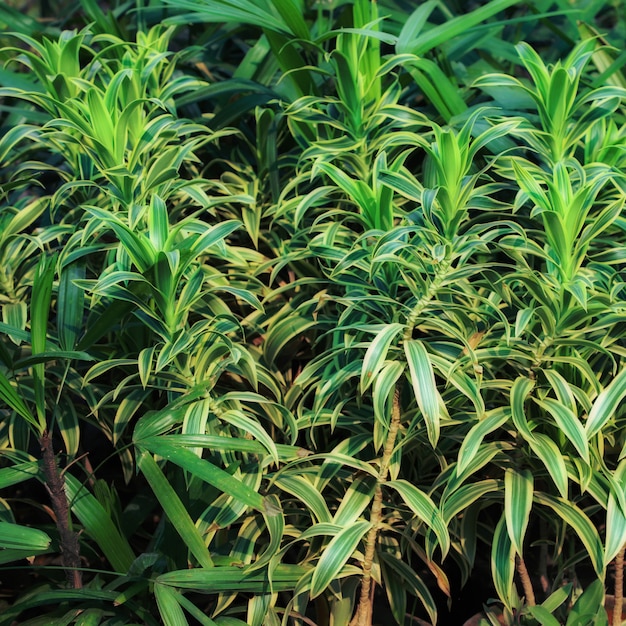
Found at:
<point>556,385</point>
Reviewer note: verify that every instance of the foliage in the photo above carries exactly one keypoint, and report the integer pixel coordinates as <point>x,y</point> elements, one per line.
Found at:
<point>330,301</point>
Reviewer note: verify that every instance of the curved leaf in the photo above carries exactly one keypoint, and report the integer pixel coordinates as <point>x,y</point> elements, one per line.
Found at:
<point>423,506</point>
<point>336,554</point>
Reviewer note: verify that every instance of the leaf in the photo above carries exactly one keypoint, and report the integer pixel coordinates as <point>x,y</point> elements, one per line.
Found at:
<point>606,404</point>
<point>229,579</point>
<point>357,497</point>
<point>551,456</point>
<point>98,525</point>
<point>414,25</point>
<point>335,556</point>
<point>456,26</point>
<point>17,537</point>
<point>169,609</point>
<point>615,516</point>
<point>174,508</point>
<point>39,312</point>
<point>70,303</point>
<point>518,500</point>
<point>13,400</point>
<point>543,616</point>
<point>568,423</point>
<point>425,509</point>
<point>503,563</point>
<point>377,353</point>
<point>203,469</point>
<point>302,489</point>
<point>281,333</point>
<point>424,387</point>
<point>411,582</point>
<point>473,439</point>
<point>583,526</point>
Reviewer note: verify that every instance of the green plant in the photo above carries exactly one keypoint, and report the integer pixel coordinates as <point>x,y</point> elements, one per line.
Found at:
<point>332,350</point>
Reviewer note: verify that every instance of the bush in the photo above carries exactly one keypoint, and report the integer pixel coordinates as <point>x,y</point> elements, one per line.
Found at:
<point>329,302</point>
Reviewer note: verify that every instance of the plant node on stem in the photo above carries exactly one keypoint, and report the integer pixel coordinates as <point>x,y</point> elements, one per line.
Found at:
<point>55,484</point>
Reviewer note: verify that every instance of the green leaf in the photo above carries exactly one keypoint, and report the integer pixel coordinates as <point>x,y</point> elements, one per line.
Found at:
<point>98,525</point>
<point>203,469</point>
<point>414,25</point>
<point>335,556</point>
<point>606,404</point>
<point>424,387</point>
<point>174,508</point>
<point>583,526</point>
<point>13,400</point>
<point>281,333</point>
<point>70,304</point>
<point>503,563</point>
<point>377,353</point>
<point>171,612</point>
<point>456,26</point>
<point>16,537</point>
<point>229,579</point>
<point>543,616</point>
<point>39,312</point>
<point>302,489</point>
<point>568,423</point>
<point>589,608</point>
<point>615,516</point>
<point>357,497</point>
<point>518,500</point>
<point>425,509</point>
<point>473,439</point>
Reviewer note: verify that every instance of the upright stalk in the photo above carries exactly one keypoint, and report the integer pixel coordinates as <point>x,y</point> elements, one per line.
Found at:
<point>363,616</point>
<point>526,582</point>
<point>55,484</point>
<point>619,587</point>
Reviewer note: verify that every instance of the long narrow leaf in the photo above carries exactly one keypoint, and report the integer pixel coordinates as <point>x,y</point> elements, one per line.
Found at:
<point>424,386</point>
<point>335,556</point>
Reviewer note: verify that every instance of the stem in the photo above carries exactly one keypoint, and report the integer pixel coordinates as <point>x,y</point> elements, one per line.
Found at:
<point>525,579</point>
<point>619,587</point>
<point>363,616</point>
<point>55,484</point>
<point>422,303</point>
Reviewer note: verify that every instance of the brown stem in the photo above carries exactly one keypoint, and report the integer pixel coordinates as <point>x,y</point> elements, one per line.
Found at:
<point>619,587</point>
<point>363,616</point>
<point>525,579</point>
<point>55,484</point>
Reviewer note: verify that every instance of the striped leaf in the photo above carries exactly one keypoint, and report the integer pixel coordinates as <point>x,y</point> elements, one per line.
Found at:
<point>581,524</point>
<point>424,387</point>
<point>518,501</point>
<point>336,554</point>
<point>473,439</point>
<point>377,353</point>
<point>569,425</point>
<point>605,404</point>
<point>503,564</point>
<point>422,505</point>
<point>615,516</point>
